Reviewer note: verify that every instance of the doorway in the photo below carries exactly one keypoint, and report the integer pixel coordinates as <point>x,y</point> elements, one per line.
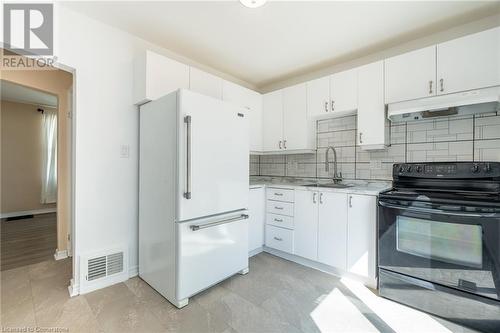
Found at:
<point>36,191</point>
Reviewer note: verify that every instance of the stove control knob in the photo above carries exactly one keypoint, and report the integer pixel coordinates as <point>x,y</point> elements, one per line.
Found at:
<point>401,169</point>
<point>419,168</point>
<point>475,168</point>
<point>408,169</point>
<point>487,167</point>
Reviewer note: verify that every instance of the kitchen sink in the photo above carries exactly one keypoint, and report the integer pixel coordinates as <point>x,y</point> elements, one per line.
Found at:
<point>329,185</point>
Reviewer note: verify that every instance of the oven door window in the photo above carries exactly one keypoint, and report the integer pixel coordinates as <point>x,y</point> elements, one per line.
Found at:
<point>447,242</point>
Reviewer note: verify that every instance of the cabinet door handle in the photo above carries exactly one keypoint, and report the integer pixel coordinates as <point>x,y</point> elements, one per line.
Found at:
<point>333,105</point>
<point>278,208</point>
<point>280,144</point>
<point>326,106</point>
<point>314,197</point>
<point>321,198</point>
<point>350,201</point>
<point>284,144</point>
<point>430,87</point>
<point>278,220</point>
<point>441,83</point>
<point>278,194</point>
<point>278,239</point>
<point>360,137</point>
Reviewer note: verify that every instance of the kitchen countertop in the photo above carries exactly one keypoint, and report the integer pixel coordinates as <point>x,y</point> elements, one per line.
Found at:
<point>356,186</point>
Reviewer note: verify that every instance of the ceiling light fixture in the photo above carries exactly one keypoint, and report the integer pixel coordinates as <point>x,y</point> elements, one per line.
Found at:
<point>253,3</point>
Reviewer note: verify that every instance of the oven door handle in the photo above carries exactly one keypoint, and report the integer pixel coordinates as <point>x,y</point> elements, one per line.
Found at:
<point>438,211</point>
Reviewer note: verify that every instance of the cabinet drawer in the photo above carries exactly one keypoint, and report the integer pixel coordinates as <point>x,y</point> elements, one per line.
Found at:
<point>280,220</point>
<point>278,207</point>
<point>279,238</point>
<point>280,194</point>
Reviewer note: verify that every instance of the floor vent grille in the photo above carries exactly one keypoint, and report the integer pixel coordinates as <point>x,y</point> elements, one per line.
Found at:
<point>104,266</point>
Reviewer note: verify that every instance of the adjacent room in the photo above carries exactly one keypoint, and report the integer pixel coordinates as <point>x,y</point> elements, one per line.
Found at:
<point>250,166</point>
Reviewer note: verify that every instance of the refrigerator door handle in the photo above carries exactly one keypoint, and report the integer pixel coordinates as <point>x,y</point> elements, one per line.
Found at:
<point>187,120</point>
<point>195,227</point>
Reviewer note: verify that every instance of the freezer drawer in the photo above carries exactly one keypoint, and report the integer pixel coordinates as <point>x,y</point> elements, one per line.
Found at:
<point>210,251</point>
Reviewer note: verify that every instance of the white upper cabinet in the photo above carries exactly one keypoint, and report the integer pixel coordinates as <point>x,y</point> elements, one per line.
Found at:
<point>318,97</point>
<point>332,233</point>
<point>306,224</point>
<point>296,134</point>
<point>361,235</point>
<point>272,106</point>
<point>252,101</point>
<point>344,91</point>
<point>411,75</point>
<point>469,62</point>
<point>371,107</point>
<point>205,83</point>
<point>156,75</point>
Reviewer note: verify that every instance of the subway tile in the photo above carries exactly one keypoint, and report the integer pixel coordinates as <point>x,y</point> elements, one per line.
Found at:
<point>266,159</point>
<point>301,158</point>
<point>347,169</point>
<point>301,169</point>
<point>272,169</point>
<point>337,124</point>
<point>337,139</point>
<point>393,154</point>
<point>254,158</point>
<point>440,152</point>
<point>254,169</point>
<point>440,130</point>
<point>487,127</point>
<point>383,171</point>
<point>487,150</point>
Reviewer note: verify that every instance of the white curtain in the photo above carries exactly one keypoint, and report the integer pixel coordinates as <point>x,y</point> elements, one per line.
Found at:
<point>49,159</point>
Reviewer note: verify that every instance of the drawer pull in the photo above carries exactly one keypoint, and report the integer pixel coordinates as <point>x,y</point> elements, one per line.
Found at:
<point>279,208</point>
<point>278,239</point>
<point>278,220</point>
<point>278,194</point>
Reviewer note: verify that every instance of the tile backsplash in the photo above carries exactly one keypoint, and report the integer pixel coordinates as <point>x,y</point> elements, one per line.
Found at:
<point>454,138</point>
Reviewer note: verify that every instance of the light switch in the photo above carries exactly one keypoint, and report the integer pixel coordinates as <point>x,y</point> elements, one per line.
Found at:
<point>124,151</point>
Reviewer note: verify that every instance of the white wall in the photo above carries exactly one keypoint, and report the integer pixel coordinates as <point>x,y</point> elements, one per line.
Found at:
<point>106,193</point>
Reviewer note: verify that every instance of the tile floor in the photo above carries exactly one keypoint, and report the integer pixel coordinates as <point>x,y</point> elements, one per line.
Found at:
<point>276,296</point>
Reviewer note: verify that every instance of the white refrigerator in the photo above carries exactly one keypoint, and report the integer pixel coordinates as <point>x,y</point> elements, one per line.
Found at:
<point>193,193</point>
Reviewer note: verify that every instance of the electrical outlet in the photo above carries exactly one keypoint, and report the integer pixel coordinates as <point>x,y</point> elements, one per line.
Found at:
<point>124,151</point>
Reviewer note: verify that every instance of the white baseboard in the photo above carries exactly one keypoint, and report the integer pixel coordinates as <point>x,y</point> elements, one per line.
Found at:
<point>369,282</point>
<point>28,212</point>
<point>73,289</point>
<point>59,255</point>
<point>133,271</point>
<point>255,251</point>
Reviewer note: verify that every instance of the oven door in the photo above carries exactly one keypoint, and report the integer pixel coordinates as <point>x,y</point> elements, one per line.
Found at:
<point>452,245</point>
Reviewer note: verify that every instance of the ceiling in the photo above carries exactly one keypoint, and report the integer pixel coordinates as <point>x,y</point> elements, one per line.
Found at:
<point>16,93</point>
<point>281,39</point>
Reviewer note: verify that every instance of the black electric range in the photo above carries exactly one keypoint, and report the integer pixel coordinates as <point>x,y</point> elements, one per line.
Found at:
<point>439,240</point>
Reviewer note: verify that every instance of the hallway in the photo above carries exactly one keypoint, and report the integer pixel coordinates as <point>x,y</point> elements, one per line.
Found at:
<point>28,241</point>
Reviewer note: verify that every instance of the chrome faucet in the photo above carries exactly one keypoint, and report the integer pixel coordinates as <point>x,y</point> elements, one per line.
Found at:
<point>337,177</point>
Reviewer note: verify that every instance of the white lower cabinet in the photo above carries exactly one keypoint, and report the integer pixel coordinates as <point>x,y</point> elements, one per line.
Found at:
<point>306,224</point>
<point>361,235</point>
<point>332,232</point>
<point>335,229</point>
<point>257,216</point>
<point>279,238</point>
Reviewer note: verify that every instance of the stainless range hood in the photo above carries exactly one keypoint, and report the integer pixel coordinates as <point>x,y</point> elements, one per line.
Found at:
<point>468,102</point>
